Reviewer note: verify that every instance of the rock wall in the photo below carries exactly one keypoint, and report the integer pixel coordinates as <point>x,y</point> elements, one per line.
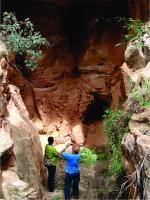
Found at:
<point>139,9</point>
<point>59,100</point>
<point>136,143</point>
<point>6,143</point>
<point>81,63</point>
<point>136,149</point>
<point>22,173</point>
<point>78,75</point>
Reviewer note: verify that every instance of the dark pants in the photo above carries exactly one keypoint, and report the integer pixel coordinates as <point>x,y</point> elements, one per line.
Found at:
<point>51,177</point>
<point>68,180</point>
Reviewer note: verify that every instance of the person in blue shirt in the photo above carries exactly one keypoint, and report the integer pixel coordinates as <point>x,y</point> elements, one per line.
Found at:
<point>72,171</point>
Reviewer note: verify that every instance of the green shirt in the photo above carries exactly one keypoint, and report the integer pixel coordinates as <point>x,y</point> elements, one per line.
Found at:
<point>51,153</point>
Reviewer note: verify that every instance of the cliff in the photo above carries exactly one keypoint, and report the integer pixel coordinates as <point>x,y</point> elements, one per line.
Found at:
<point>22,172</point>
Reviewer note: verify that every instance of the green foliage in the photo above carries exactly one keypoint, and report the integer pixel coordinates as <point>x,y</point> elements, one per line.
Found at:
<point>116,125</point>
<point>20,37</point>
<point>136,30</point>
<point>88,156</point>
<point>139,97</point>
<point>56,198</point>
<point>16,195</point>
<point>102,156</point>
<point>104,190</point>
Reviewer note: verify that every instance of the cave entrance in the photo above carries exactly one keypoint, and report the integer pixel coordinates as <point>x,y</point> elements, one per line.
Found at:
<point>93,122</point>
<point>95,110</point>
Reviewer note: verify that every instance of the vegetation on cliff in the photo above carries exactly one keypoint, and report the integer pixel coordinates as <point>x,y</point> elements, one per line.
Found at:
<point>137,32</point>
<point>139,96</point>
<point>116,125</point>
<point>21,38</point>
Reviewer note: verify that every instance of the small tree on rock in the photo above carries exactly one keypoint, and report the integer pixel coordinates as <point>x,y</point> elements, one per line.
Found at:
<point>20,38</point>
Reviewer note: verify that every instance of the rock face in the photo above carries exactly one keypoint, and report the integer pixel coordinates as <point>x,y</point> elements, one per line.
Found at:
<point>139,9</point>
<point>136,143</point>
<point>26,141</point>
<point>14,188</point>
<point>20,149</point>
<point>77,74</point>
<point>81,69</point>
<point>77,77</point>
<point>135,57</point>
<point>68,83</point>
<point>6,143</point>
<point>136,148</point>
<point>62,98</point>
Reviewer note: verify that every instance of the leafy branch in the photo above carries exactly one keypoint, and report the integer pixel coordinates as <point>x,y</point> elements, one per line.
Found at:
<point>88,156</point>
<point>20,38</point>
<point>137,31</point>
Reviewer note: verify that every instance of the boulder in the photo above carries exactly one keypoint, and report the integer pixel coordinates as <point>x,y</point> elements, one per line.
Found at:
<point>14,188</point>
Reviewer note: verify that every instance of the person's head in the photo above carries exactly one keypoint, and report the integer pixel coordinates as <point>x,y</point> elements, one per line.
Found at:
<point>50,140</point>
<point>75,148</point>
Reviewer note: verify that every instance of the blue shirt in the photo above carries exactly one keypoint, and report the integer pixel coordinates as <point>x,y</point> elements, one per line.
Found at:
<point>72,165</point>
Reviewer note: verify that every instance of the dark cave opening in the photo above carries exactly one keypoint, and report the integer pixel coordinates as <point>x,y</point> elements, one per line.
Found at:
<point>95,110</point>
<point>77,17</point>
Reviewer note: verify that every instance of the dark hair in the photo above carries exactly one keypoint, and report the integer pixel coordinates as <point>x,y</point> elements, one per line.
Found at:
<point>50,140</point>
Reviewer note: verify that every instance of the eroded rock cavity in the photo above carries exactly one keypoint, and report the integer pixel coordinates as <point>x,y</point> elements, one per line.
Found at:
<point>81,63</point>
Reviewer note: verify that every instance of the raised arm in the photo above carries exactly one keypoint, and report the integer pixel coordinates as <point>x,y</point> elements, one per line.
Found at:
<point>64,149</point>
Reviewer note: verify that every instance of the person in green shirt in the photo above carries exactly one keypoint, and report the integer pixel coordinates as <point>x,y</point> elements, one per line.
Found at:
<point>52,154</point>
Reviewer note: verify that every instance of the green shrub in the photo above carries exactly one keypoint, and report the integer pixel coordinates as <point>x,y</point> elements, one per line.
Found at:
<point>103,190</point>
<point>116,125</point>
<point>56,198</point>
<point>139,97</point>
<point>102,156</point>
<point>20,38</point>
<point>136,30</point>
<point>88,156</point>
<point>143,94</point>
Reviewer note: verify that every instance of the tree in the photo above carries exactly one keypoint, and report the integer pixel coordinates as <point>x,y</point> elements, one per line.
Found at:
<point>20,38</point>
